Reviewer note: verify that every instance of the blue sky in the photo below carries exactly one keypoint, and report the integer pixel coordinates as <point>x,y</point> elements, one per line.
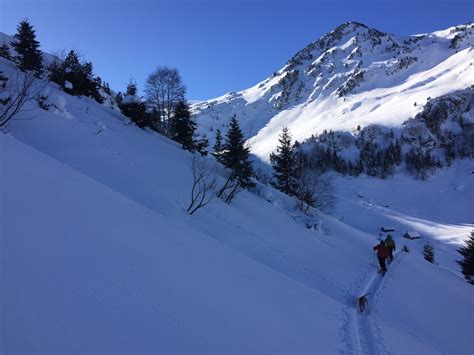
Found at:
<point>218,46</point>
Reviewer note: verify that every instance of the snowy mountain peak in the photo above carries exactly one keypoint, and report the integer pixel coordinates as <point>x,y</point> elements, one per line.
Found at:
<point>352,76</point>
<point>329,40</point>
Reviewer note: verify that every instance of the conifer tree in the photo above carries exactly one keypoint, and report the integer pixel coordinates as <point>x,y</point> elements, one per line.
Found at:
<point>106,88</point>
<point>90,84</point>
<point>133,107</point>
<point>236,156</point>
<point>202,143</point>
<point>119,98</point>
<point>5,52</point>
<point>72,69</point>
<point>218,147</point>
<point>428,253</point>
<point>56,73</point>
<point>131,88</point>
<point>182,126</point>
<point>467,263</point>
<point>283,163</point>
<point>76,78</point>
<point>27,48</point>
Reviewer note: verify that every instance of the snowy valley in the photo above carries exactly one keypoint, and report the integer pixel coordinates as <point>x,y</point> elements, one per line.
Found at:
<point>99,255</point>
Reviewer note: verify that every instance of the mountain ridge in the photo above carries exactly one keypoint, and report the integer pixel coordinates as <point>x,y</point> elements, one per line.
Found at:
<point>342,80</point>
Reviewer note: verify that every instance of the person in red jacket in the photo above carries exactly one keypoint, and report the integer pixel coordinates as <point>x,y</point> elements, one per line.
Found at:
<point>382,254</point>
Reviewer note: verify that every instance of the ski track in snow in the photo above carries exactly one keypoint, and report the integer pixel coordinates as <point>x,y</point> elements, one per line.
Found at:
<point>367,337</point>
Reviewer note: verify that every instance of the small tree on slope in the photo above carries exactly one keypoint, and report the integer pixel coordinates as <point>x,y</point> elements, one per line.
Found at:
<point>4,96</point>
<point>182,126</point>
<point>133,107</point>
<point>5,52</point>
<point>283,163</point>
<point>27,47</point>
<point>218,148</point>
<point>201,143</point>
<point>236,156</point>
<point>91,84</point>
<point>467,263</point>
<point>428,253</point>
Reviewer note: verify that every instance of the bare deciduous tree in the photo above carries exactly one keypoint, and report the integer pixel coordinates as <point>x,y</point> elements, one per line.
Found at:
<point>204,184</point>
<point>17,92</point>
<point>164,89</point>
<point>230,189</point>
<point>324,196</point>
<point>315,189</point>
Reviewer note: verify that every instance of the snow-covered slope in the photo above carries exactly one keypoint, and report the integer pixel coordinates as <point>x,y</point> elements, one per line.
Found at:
<point>87,270</point>
<point>99,255</point>
<point>352,76</point>
<point>441,133</point>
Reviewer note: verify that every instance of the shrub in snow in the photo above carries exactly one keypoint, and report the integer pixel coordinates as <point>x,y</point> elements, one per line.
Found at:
<point>428,253</point>
<point>42,101</point>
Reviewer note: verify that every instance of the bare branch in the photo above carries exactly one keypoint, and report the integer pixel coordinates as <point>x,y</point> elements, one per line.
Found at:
<point>230,189</point>
<point>20,90</point>
<point>204,185</point>
<point>233,191</point>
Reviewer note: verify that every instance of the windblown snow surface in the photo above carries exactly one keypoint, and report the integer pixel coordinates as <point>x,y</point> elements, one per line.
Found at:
<point>98,254</point>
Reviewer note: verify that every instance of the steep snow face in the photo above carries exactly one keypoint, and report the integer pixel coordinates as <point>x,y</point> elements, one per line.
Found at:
<point>92,271</point>
<point>352,76</point>
<point>435,137</point>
